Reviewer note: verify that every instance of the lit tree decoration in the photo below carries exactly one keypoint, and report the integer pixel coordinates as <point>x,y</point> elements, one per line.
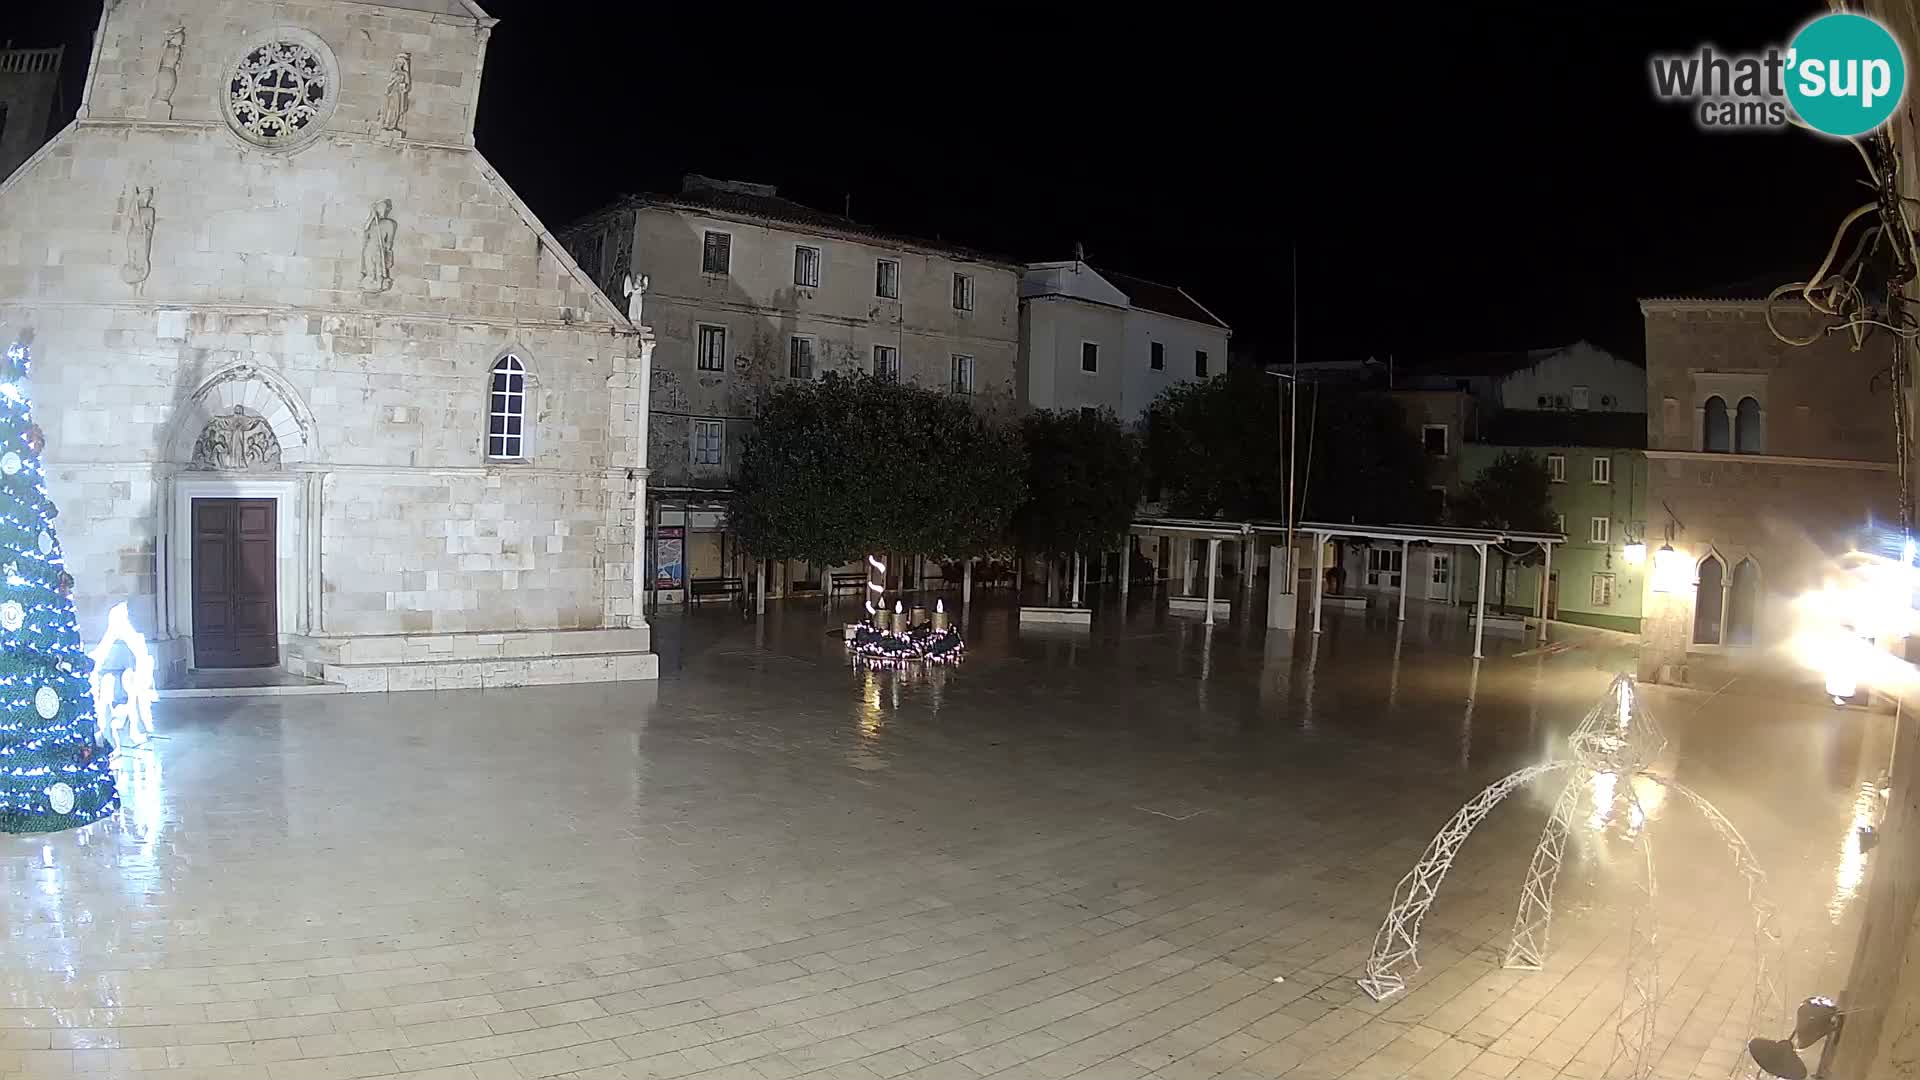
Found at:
<point>1615,744</point>
<point>123,695</point>
<point>50,775</point>
<point>886,636</point>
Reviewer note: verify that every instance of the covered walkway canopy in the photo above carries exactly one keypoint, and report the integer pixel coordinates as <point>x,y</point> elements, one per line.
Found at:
<point>1478,539</point>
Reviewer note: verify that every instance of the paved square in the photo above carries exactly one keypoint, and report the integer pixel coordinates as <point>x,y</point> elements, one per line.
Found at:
<point>1157,851</point>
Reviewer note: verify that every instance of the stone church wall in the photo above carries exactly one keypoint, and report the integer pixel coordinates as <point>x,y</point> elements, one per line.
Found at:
<point>149,250</point>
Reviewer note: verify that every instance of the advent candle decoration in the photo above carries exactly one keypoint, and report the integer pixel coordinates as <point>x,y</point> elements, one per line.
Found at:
<point>896,638</point>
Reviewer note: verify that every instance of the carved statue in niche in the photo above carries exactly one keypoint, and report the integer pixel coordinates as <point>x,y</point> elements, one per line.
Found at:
<point>167,79</point>
<point>393,111</point>
<point>636,294</point>
<point>376,248</point>
<point>140,221</point>
<point>241,440</point>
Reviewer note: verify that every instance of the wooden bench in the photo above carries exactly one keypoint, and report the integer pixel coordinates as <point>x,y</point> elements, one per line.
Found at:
<point>716,586</point>
<point>849,581</point>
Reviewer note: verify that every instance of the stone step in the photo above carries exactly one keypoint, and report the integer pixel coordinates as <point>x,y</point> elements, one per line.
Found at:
<point>494,673</point>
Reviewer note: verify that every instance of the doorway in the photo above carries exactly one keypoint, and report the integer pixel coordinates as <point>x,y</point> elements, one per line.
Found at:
<point>1440,581</point>
<point>236,614</point>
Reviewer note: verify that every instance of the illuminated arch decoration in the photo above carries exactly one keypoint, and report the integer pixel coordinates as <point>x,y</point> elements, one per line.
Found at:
<point>122,697</point>
<point>1615,744</point>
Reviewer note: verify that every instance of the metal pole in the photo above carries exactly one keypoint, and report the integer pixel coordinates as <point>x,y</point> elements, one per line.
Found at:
<point>966,585</point>
<point>1546,590</point>
<point>1126,567</point>
<point>1293,408</point>
<point>1079,575</point>
<point>1480,608</point>
<point>1186,566</point>
<point>760,586</point>
<point>1213,564</point>
<point>1319,576</point>
<point>1246,563</point>
<point>1403,580</point>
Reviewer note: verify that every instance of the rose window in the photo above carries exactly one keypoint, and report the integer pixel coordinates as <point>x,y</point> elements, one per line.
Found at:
<point>281,91</point>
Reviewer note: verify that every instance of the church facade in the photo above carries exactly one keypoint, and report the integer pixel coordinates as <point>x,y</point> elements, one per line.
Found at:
<point>319,391</point>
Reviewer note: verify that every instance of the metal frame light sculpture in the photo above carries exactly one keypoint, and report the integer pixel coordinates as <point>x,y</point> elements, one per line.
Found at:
<point>1618,740</point>
<point>135,683</point>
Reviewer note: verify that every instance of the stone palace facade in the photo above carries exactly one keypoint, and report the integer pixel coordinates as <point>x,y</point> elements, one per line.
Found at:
<point>320,391</point>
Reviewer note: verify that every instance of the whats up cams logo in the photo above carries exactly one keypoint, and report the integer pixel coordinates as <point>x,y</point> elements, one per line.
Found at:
<point>1842,74</point>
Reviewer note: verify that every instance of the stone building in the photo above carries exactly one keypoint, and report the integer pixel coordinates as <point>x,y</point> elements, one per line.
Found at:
<point>319,390</point>
<point>1101,339</point>
<point>746,290</point>
<point>29,97</point>
<point>1766,463</point>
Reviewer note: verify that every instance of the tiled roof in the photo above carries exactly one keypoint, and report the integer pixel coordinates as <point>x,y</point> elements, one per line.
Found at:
<point>1757,287</point>
<point>761,202</point>
<point>1525,427</point>
<point>1165,299</point>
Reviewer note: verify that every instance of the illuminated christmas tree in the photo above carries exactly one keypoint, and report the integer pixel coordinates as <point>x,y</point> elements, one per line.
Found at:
<point>52,774</point>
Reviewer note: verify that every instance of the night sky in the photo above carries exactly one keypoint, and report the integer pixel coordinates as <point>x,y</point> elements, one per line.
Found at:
<point>1487,177</point>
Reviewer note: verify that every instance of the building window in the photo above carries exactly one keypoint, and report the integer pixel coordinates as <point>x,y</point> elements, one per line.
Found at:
<point>713,348</point>
<point>1089,356</point>
<point>886,279</point>
<point>716,255</point>
<point>1709,600</point>
<point>1557,468</point>
<point>1156,355</point>
<point>806,266</point>
<point>1199,363</point>
<point>709,442</point>
<point>800,357</point>
<point>1746,427</point>
<point>962,374</point>
<point>886,362</point>
<point>1434,438</point>
<point>1383,567</point>
<point>1599,530</point>
<point>1602,593</point>
<point>1603,470</point>
<point>1715,438</point>
<point>1581,398</point>
<point>507,410</point>
<point>963,292</point>
<point>1743,602</point>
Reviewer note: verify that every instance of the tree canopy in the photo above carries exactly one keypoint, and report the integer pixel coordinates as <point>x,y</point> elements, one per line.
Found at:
<point>1083,482</point>
<point>1217,448</point>
<point>851,464</point>
<point>1511,493</point>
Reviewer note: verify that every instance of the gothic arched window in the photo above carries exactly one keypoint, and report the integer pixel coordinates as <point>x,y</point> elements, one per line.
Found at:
<point>1709,601</point>
<point>1743,602</point>
<point>507,410</point>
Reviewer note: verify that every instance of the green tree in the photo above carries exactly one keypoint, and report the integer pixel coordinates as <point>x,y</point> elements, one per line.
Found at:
<point>1217,449</point>
<point>1510,493</point>
<point>851,464</point>
<point>1083,482</point>
<point>51,776</point>
<point>1214,447</point>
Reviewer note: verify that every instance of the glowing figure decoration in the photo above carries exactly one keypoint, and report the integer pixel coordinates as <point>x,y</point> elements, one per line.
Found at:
<point>122,697</point>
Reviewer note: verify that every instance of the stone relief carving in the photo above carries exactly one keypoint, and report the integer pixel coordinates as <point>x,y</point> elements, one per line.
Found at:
<point>667,394</point>
<point>237,441</point>
<point>376,248</point>
<point>636,294</point>
<point>393,111</point>
<point>139,261</point>
<point>167,79</point>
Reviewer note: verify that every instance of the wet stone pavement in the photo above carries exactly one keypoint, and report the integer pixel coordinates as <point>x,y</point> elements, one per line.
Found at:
<point>1155,850</point>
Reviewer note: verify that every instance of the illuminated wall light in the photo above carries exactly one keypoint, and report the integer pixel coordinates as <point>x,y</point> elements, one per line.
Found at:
<point>1672,570</point>
<point>1635,554</point>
